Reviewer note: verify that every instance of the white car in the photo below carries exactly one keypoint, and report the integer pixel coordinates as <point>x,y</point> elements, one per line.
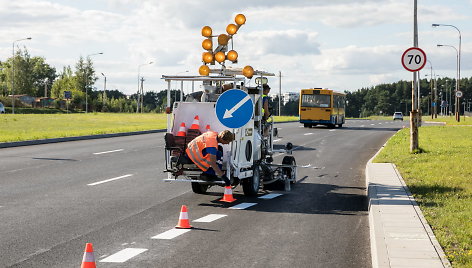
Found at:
<point>2,108</point>
<point>398,116</point>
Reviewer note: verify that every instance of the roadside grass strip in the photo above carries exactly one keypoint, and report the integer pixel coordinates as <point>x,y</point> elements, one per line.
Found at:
<point>107,152</point>
<point>210,218</point>
<point>171,234</point>
<point>439,179</point>
<point>243,206</point>
<point>269,196</point>
<point>124,255</point>
<point>112,179</point>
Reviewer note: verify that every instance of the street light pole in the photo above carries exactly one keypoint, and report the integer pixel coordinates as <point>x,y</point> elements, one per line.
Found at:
<point>86,81</point>
<point>456,109</point>
<point>104,89</point>
<point>139,80</point>
<point>13,74</point>
<point>458,118</point>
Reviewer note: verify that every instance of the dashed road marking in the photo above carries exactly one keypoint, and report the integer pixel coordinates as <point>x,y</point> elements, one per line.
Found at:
<point>372,124</point>
<point>362,125</point>
<point>269,196</point>
<point>306,134</point>
<point>333,130</point>
<point>210,218</point>
<point>277,140</point>
<point>172,233</point>
<point>243,206</point>
<point>124,255</point>
<point>112,179</point>
<point>107,152</point>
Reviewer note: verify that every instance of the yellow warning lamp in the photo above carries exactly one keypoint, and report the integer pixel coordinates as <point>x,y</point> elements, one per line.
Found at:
<point>223,39</point>
<point>220,57</point>
<point>204,70</point>
<point>207,44</point>
<point>240,19</point>
<point>206,31</point>
<point>231,29</point>
<point>207,57</point>
<point>232,56</point>
<point>248,71</point>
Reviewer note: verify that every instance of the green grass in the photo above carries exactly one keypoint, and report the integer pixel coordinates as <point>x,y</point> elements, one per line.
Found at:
<point>21,127</point>
<point>449,120</point>
<point>440,179</point>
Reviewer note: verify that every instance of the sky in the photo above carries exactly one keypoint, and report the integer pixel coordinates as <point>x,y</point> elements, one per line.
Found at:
<point>337,44</point>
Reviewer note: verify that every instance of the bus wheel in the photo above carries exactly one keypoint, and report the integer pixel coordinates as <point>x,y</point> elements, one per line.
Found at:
<point>331,125</point>
<point>340,125</point>
<point>306,125</point>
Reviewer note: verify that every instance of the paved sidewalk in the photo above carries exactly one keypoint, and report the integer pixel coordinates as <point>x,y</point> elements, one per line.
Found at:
<point>399,234</point>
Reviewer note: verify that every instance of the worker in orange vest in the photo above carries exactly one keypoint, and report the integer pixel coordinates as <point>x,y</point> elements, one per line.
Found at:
<point>203,151</point>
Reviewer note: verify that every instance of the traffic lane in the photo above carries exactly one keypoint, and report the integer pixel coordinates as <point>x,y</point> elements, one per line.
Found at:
<point>34,156</point>
<point>62,196</point>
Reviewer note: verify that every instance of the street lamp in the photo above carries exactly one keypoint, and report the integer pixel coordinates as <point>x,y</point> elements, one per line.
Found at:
<point>86,81</point>
<point>142,98</point>
<point>13,74</point>
<point>456,110</point>
<point>104,89</point>
<point>458,60</point>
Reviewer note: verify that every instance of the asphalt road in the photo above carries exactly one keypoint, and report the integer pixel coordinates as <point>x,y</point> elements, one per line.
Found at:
<point>54,198</point>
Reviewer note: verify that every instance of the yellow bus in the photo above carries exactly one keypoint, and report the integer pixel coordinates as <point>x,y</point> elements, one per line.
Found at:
<point>322,107</point>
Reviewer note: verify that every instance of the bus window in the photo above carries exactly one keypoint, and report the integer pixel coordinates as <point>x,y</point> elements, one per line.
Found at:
<point>318,101</point>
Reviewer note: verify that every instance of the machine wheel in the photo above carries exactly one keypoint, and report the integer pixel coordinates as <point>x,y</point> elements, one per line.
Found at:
<point>251,185</point>
<point>199,188</point>
<point>291,172</point>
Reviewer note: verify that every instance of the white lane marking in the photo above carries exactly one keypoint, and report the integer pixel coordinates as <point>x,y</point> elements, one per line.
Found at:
<point>124,255</point>
<point>380,123</point>
<point>112,179</point>
<point>333,130</point>
<point>362,126</point>
<point>210,218</point>
<point>243,206</point>
<point>172,233</point>
<point>277,140</point>
<point>107,152</point>
<point>306,134</point>
<point>372,124</point>
<point>269,196</point>
<point>300,126</point>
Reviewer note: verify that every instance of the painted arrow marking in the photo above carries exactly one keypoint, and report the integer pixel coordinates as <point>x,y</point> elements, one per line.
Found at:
<point>229,113</point>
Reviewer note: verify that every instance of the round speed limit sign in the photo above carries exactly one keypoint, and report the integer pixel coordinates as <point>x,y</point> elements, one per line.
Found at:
<point>459,94</point>
<point>413,59</point>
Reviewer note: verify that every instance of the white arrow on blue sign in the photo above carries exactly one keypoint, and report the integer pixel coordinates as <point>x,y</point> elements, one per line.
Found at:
<point>234,108</point>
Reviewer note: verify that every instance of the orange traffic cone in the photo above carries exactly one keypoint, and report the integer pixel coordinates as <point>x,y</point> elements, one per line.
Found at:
<point>196,123</point>
<point>89,259</point>
<point>181,132</point>
<point>184,222</point>
<point>228,196</point>
<point>208,128</point>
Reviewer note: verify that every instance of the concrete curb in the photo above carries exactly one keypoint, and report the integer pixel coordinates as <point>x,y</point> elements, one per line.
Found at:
<point>88,137</point>
<point>397,223</point>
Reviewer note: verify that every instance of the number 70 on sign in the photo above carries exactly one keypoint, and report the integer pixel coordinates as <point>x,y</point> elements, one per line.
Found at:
<point>413,59</point>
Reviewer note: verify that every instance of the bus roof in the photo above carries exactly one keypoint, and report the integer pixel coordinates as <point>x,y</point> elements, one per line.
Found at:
<point>321,90</point>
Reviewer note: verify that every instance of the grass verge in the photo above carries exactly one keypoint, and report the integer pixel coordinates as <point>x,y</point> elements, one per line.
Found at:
<point>440,180</point>
<point>21,127</point>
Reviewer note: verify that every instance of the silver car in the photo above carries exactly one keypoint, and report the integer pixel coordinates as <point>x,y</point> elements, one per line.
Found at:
<point>398,116</point>
<point>2,108</point>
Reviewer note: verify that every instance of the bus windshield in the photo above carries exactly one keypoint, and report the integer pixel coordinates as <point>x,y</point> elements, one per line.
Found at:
<point>320,101</point>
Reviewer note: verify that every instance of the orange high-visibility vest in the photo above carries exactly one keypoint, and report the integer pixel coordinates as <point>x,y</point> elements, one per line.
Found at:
<point>196,146</point>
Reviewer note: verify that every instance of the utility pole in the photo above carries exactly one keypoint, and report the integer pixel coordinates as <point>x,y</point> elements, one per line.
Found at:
<point>142,94</point>
<point>414,144</point>
<point>280,91</point>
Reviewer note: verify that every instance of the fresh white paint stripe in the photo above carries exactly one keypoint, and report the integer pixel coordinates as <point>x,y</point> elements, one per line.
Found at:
<point>112,179</point>
<point>277,140</point>
<point>243,206</point>
<point>269,196</point>
<point>107,152</point>
<point>210,218</point>
<point>306,134</point>
<point>172,233</point>
<point>124,255</point>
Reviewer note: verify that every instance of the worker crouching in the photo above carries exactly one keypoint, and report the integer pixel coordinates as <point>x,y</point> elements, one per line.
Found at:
<point>203,151</point>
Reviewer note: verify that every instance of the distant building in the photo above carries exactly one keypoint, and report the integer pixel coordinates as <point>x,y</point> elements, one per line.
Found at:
<point>286,96</point>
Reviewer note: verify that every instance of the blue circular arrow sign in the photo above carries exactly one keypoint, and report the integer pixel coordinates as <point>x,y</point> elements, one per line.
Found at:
<point>234,108</point>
